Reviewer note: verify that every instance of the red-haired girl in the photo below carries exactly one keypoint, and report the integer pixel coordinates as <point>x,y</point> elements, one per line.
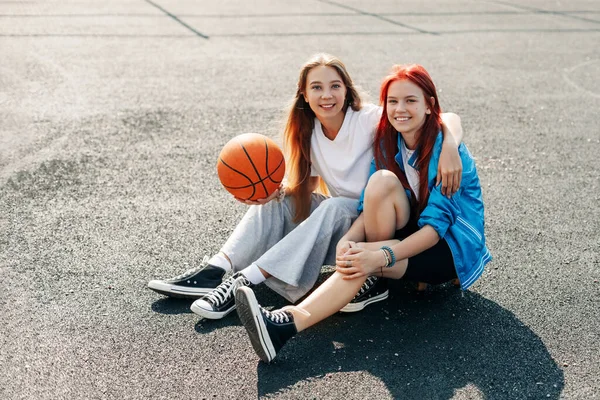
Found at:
<point>328,141</point>
<point>408,228</point>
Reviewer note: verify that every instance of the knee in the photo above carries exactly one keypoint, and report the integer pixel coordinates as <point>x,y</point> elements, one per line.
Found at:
<point>381,184</point>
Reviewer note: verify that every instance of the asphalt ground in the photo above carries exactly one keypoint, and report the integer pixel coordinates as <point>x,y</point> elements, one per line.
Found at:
<point>112,116</point>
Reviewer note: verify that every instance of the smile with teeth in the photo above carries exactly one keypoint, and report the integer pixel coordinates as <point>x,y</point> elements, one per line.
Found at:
<point>327,106</point>
<point>402,119</point>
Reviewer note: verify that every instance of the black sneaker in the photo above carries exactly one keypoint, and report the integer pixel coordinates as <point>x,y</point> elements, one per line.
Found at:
<point>373,290</point>
<point>221,301</point>
<point>193,283</point>
<point>268,330</point>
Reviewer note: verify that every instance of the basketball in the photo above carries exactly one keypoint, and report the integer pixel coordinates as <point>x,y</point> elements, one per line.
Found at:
<point>251,166</point>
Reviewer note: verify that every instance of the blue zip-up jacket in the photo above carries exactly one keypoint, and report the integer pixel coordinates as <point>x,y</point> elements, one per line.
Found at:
<point>459,219</point>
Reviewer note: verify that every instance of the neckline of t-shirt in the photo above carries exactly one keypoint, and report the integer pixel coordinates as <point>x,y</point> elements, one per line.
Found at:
<point>342,130</point>
<point>407,154</point>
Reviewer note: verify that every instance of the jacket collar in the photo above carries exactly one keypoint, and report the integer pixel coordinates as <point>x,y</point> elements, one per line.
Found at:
<point>411,161</point>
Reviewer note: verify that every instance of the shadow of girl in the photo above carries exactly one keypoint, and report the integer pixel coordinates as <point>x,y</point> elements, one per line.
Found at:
<point>420,346</point>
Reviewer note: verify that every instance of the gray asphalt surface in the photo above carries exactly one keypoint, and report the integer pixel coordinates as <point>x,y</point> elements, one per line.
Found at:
<point>113,114</point>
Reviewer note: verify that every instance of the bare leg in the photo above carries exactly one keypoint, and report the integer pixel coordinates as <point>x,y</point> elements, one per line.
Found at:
<point>265,273</point>
<point>386,203</point>
<point>386,207</point>
<point>326,300</point>
<point>336,292</point>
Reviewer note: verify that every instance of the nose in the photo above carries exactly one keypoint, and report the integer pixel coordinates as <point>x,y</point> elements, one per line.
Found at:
<point>326,94</point>
<point>399,108</point>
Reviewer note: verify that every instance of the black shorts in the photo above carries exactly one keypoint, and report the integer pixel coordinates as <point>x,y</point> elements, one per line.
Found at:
<point>434,265</point>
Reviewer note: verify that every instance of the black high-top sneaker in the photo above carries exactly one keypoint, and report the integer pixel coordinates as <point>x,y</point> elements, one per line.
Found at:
<point>268,330</point>
<point>221,301</point>
<point>193,283</point>
<point>373,290</point>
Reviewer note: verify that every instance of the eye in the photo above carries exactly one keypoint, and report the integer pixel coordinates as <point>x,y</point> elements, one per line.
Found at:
<point>336,86</point>
<point>412,100</point>
<point>392,101</point>
<point>316,87</point>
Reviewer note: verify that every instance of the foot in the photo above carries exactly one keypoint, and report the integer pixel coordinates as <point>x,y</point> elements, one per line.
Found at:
<point>268,330</point>
<point>221,301</point>
<point>192,284</point>
<point>422,286</point>
<point>373,290</point>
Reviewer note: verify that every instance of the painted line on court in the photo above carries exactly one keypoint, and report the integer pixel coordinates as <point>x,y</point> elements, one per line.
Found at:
<point>177,19</point>
<point>391,21</point>
<point>541,11</point>
<point>295,34</point>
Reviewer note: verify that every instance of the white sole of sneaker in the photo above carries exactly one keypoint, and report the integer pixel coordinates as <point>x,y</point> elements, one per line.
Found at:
<point>251,317</point>
<point>350,307</point>
<point>209,314</point>
<point>178,291</point>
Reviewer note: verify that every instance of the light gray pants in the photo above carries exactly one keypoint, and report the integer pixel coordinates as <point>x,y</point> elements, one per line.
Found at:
<point>293,254</point>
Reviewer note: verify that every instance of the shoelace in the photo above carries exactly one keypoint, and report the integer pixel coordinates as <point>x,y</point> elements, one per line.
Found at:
<point>277,316</point>
<point>192,271</point>
<point>367,285</point>
<point>222,292</point>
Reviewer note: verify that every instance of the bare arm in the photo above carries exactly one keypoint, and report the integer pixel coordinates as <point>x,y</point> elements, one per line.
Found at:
<point>449,171</point>
<point>361,261</point>
<point>452,128</point>
<point>418,242</point>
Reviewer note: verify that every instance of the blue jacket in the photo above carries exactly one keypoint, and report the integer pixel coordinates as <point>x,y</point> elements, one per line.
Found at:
<point>459,219</point>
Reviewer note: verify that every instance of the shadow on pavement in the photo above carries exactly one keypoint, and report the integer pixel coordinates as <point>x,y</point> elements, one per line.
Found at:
<point>423,346</point>
<point>172,306</point>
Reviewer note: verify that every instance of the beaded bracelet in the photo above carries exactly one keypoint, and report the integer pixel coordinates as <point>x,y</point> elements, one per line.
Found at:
<point>389,250</point>
<point>387,258</point>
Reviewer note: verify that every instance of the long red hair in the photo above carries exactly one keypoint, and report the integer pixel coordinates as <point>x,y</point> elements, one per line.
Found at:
<point>386,139</point>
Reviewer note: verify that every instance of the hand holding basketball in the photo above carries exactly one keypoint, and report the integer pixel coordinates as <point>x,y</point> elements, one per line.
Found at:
<point>276,195</point>
<point>251,167</point>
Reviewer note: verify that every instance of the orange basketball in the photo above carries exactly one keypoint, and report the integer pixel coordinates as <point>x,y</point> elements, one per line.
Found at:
<point>251,166</point>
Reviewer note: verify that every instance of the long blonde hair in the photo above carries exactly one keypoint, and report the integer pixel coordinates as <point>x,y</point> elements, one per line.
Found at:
<point>298,130</point>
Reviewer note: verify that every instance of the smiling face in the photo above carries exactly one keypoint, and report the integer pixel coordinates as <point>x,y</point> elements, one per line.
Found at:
<point>407,109</point>
<point>326,94</point>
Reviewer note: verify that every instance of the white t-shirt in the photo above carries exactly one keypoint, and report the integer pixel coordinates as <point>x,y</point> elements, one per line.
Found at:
<point>412,175</point>
<point>344,163</point>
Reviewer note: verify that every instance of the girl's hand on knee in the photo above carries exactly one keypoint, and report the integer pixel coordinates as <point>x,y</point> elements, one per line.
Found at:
<point>343,246</point>
<point>358,262</point>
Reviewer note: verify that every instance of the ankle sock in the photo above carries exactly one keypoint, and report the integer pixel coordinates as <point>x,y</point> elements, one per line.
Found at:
<point>220,261</point>
<point>253,274</point>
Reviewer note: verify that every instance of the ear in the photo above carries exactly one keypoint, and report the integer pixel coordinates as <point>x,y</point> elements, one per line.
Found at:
<point>432,102</point>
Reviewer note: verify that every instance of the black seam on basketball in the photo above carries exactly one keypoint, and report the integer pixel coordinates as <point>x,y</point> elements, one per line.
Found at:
<point>275,170</point>
<point>255,169</point>
<point>266,161</point>
<point>254,183</point>
<point>241,173</point>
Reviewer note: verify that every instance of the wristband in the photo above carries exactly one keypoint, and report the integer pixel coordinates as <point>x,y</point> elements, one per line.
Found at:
<point>392,256</point>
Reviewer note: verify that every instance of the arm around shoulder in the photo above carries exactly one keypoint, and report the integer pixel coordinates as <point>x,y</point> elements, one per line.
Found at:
<point>452,128</point>
<point>450,167</point>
